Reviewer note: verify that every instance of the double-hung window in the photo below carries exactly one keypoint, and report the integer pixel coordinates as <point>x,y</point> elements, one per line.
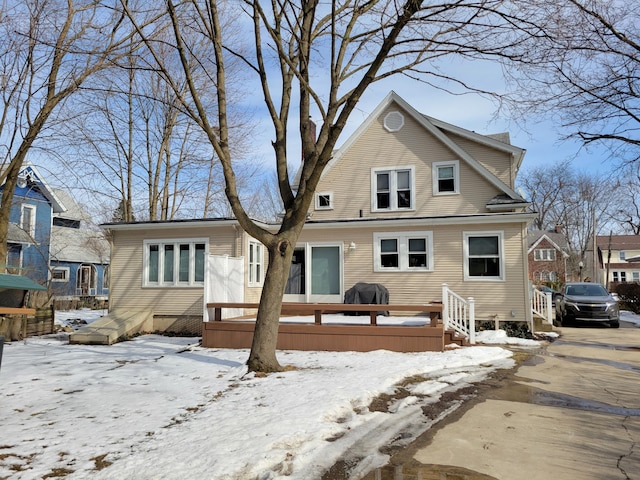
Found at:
<point>256,263</point>
<point>619,276</point>
<point>174,263</point>
<point>14,258</point>
<point>28,219</point>
<point>544,254</point>
<point>392,189</point>
<point>446,179</point>
<point>403,252</point>
<point>484,256</point>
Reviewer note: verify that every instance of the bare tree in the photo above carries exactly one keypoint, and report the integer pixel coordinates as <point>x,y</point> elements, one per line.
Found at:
<point>549,189</point>
<point>132,142</point>
<point>625,213</point>
<point>50,48</point>
<point>582,203</point>
<point>582,70</point>
<point>309,55</point>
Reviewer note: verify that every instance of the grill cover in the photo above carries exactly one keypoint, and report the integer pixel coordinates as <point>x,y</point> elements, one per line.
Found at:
<point>367,293</point>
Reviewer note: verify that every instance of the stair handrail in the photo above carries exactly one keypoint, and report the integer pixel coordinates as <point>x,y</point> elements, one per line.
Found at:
<point>459,314</point>
<point>542,305</point>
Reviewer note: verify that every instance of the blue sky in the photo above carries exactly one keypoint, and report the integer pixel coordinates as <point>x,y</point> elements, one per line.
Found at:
<point>539,137</point>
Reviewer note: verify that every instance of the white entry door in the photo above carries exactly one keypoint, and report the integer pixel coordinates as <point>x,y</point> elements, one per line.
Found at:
<point>316,274</point>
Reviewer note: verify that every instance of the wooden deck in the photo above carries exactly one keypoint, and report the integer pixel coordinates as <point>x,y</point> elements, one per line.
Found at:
<point>238,333</point>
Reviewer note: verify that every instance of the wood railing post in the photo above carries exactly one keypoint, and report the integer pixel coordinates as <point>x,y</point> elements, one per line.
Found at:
<point>549,304</point>
<point>472,320</point>
<point>445,305</point>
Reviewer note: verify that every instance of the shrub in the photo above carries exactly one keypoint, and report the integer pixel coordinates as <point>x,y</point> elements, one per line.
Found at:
<point>629,294</point>
<point>513,329</point>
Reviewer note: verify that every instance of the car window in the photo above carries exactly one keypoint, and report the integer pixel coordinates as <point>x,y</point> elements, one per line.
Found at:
<point>594,290</point>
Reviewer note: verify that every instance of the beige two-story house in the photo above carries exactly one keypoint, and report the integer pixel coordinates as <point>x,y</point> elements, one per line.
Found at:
<point>408,201</point>
<point>619,258</point>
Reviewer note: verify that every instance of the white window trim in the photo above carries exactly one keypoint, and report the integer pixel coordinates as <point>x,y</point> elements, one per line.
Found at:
<point>538,255</point>
<point>501,256</point>
<point>393,121</point>
<point>393,190</point>
<point>252,265</point>
<point>20,259</point>
<point>60,269</point>
<point>176,283</point>
<point>106,277</point>
<point>317,200</point>
<point>403,251</point>
<point>622,255</point>
<point>456,177</point>
<point>32,215</point>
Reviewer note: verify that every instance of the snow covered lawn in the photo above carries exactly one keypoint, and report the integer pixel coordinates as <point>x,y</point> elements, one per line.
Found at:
<point>163,408</point>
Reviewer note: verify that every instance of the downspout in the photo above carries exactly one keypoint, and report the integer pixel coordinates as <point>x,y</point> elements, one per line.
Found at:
<point>526,283</point>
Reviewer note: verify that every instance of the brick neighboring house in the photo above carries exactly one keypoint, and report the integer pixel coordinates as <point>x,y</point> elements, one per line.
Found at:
<point>547,256</point>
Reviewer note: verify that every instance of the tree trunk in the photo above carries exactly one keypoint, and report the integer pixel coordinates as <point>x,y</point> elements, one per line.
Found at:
<point>265,338</point>
<point>6,202</point>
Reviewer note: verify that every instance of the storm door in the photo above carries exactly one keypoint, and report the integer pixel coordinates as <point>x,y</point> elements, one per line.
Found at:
<point>85,282</point>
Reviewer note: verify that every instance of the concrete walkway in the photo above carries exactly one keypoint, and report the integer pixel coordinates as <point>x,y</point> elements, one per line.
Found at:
<point>571,413</point>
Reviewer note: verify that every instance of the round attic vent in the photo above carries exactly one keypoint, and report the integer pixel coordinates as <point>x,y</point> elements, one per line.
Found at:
<point>393,121</point>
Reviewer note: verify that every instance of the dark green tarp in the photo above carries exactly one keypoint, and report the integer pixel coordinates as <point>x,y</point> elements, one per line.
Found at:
<point>18,282</point>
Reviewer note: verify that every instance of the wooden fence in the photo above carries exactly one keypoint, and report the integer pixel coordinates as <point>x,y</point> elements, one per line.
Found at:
<point>19,323</point>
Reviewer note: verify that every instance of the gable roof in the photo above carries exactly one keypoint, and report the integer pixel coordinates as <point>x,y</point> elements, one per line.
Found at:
<point>439,129</point>
<point>73,211</point>
<point>618,242</point>
<point>30,172</point>
<point>557,240</point>
<point>79,245</point>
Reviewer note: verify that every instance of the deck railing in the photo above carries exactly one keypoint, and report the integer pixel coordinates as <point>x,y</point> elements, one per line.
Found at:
<point>459,314</point>
<point>542,304</point>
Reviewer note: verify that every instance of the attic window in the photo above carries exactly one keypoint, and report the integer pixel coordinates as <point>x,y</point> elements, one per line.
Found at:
<point>324,201</point>
<point>393,121</point>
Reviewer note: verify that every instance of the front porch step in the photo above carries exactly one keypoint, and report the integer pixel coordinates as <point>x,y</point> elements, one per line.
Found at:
<point>452,337</point>
<point>540,324</point>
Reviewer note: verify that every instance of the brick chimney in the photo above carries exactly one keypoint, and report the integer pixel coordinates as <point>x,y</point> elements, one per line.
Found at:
<point>558,228</point>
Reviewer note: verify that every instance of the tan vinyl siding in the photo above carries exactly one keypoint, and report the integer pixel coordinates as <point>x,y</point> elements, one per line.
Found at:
<point>492,298</point>
<point>498,162</point>
<point>127,292</point>
<point>350,178</point>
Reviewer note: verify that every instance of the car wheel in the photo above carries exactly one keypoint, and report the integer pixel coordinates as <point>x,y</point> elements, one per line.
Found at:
<point>614,324</point>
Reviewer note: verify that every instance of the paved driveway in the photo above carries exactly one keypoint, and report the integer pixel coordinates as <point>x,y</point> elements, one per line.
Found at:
<point>571,412</point>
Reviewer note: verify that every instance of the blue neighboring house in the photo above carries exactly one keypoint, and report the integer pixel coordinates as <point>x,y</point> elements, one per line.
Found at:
<point>51,242</point>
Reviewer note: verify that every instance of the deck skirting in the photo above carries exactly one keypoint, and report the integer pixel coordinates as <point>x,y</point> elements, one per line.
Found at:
<point>332,337</point>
